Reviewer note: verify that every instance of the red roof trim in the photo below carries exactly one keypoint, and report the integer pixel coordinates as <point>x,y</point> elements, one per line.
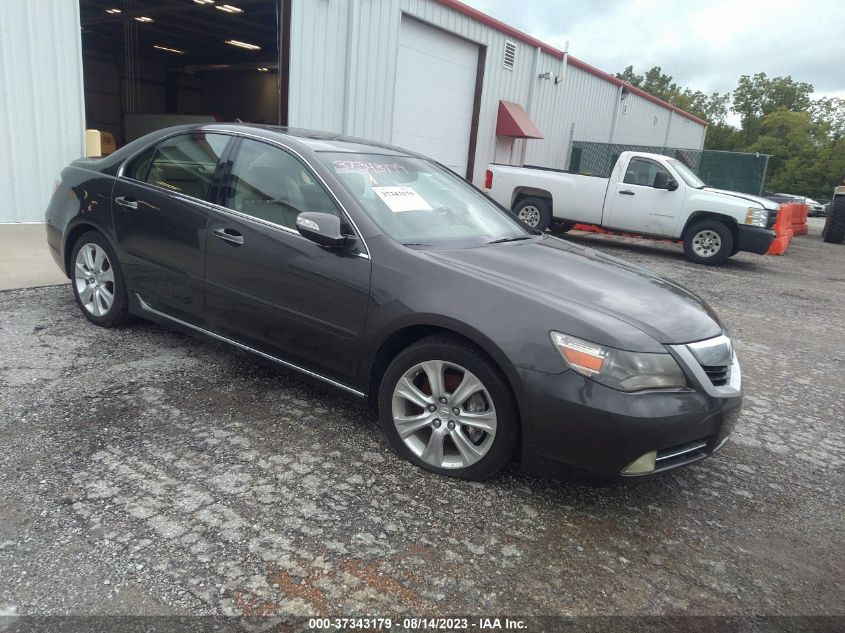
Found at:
<point>460,7</point>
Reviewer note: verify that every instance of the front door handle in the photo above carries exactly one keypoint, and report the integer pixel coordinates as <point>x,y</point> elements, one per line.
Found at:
<point>626,192</point>
<point>230,236</point>
<point>129,203</point>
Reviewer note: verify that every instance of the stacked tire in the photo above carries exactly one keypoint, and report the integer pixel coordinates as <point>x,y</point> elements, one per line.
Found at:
<point>834,226</point>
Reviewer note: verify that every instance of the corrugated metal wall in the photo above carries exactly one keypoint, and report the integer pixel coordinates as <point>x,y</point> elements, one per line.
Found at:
<point>341,88</point>
<point>42,112</point>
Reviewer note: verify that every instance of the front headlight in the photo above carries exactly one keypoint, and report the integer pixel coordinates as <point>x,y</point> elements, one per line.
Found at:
<point>618,369</point>
<point>757,216</point>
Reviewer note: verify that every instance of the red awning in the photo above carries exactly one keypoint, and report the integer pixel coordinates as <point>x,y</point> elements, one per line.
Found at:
<point>514,121</point>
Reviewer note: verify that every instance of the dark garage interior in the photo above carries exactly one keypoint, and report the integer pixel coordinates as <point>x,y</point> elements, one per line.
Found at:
<point>148,65</point>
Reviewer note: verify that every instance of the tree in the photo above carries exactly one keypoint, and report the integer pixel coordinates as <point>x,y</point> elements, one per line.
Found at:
<point>805,138</point>
<point>756,96</point>
<point>712,108</point>
<point>829,114</point>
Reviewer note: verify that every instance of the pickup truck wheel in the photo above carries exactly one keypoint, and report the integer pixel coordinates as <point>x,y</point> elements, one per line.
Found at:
<point>534,212</point>
<point>708,242</point>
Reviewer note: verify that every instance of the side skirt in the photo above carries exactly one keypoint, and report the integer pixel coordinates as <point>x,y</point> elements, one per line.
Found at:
<point>145,307</point>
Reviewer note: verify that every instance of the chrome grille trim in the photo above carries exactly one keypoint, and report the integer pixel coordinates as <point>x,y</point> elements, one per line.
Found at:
<point>693,367</point>
<point>684,449</point>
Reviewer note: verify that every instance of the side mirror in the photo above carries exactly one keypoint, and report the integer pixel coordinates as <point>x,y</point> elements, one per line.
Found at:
<point>662,180</point>
<point>323,229</point>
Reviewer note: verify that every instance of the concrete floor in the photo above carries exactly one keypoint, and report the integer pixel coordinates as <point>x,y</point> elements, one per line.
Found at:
<point>25,259</point>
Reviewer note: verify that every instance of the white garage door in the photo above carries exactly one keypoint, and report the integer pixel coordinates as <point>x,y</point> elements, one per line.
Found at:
<point>435,90</point>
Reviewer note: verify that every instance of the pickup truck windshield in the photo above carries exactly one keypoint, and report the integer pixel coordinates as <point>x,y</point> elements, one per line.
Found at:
<point>419,204</point>
<point>687,174</point>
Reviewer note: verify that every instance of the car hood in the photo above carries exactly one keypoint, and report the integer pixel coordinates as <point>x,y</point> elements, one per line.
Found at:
<point>766,204</point>
<point>559,272</point>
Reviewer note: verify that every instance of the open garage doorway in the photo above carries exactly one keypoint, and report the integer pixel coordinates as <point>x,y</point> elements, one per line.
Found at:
<point>155,63</point>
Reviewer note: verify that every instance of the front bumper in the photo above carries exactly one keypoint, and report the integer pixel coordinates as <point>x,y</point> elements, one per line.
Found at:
<point>573,422</point>
<point>754,239</point>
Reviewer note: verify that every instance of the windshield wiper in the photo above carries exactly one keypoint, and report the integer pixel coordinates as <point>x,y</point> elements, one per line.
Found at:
<point>511,239</point>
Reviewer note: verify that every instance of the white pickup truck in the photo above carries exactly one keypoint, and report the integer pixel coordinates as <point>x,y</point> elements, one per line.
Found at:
<point>646,194</point>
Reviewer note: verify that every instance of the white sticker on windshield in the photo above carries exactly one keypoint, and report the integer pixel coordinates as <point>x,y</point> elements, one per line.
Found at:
<point>400,199</point>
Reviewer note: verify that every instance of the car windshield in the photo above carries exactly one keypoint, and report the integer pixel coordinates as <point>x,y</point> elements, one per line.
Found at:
<point>420,204</point>
<point>687,174</point>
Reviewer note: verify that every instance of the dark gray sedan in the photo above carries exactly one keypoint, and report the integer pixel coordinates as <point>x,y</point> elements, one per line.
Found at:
<point>386,277</point>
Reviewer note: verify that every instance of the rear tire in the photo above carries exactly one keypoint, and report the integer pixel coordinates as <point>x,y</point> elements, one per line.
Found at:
<point>534,212</point>
<point>97,281</point>
<point>448,409</point>
<point>834,226</point>
<point>708,242</point>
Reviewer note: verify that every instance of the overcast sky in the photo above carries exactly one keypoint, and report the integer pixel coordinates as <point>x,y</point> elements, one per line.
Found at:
<point>703,45</point>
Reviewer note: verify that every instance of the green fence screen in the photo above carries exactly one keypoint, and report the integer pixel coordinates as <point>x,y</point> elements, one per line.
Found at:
<point>735,171</point>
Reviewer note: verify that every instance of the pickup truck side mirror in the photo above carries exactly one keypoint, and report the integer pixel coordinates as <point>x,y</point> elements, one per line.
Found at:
<point>324,229</point>
<point>662,180</point>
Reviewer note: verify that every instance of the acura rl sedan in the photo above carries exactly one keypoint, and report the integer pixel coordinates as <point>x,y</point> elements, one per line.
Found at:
<point>384,276</point>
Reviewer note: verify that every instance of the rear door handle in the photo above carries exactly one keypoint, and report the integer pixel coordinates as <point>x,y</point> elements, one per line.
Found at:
<point>129,203</point>
<point>626,192</point>
<point>230,236</point>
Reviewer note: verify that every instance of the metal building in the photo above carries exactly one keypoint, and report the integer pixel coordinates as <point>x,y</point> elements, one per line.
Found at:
<point>430,74</point>
<point>435,76</point>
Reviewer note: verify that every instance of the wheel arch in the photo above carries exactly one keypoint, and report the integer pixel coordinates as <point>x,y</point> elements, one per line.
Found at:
<point>531,192</point>
<point>74,231</point>
<point>406,334</point>
<point>699,216</point>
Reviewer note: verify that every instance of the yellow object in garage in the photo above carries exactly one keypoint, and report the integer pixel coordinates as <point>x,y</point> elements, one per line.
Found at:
<point>99,143</point>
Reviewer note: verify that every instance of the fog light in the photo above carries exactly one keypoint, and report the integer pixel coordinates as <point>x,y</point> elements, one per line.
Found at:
<point>642,465</point>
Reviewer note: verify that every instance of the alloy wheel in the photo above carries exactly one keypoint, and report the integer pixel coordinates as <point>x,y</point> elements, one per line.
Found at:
<point>444,414</point>
<point>94,279</point>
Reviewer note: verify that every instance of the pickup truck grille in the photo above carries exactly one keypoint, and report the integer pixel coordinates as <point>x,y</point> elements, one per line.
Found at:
<point>718,374</point>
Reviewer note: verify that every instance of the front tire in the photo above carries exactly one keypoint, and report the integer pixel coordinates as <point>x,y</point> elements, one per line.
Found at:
<point>534,212</point>
<point>97,281</point>
<point>708,242</point>
<point>447,408</point>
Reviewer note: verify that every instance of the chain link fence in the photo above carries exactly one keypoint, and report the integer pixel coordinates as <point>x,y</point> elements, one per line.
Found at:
<point>734,171</point>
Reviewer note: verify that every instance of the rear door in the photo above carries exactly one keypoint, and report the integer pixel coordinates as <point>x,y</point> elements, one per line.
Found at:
<point>638,206</point>
<point>160,210</point>
<point>270,288</point>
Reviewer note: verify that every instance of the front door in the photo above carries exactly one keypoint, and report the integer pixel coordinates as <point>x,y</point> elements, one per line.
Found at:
<point>160,211</point>
<point>638,206</point>
<point>270,288</point>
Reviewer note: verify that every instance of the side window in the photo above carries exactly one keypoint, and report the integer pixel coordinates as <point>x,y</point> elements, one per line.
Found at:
<point>139,166</point>
<point>187,162</point>
<point>642,172</point>
<point>269,184</point>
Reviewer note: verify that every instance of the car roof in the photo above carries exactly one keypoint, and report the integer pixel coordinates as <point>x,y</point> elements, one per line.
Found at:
<point>314,140</point>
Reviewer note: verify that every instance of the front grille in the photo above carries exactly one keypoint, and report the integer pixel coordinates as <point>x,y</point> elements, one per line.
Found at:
<point>681,454</point>
<point>718,374</point>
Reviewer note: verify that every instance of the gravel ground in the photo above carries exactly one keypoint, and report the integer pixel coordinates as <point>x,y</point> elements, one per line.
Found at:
<point>145,472</point>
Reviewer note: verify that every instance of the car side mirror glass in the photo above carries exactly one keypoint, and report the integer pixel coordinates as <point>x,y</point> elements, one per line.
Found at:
<point>323,229</point>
